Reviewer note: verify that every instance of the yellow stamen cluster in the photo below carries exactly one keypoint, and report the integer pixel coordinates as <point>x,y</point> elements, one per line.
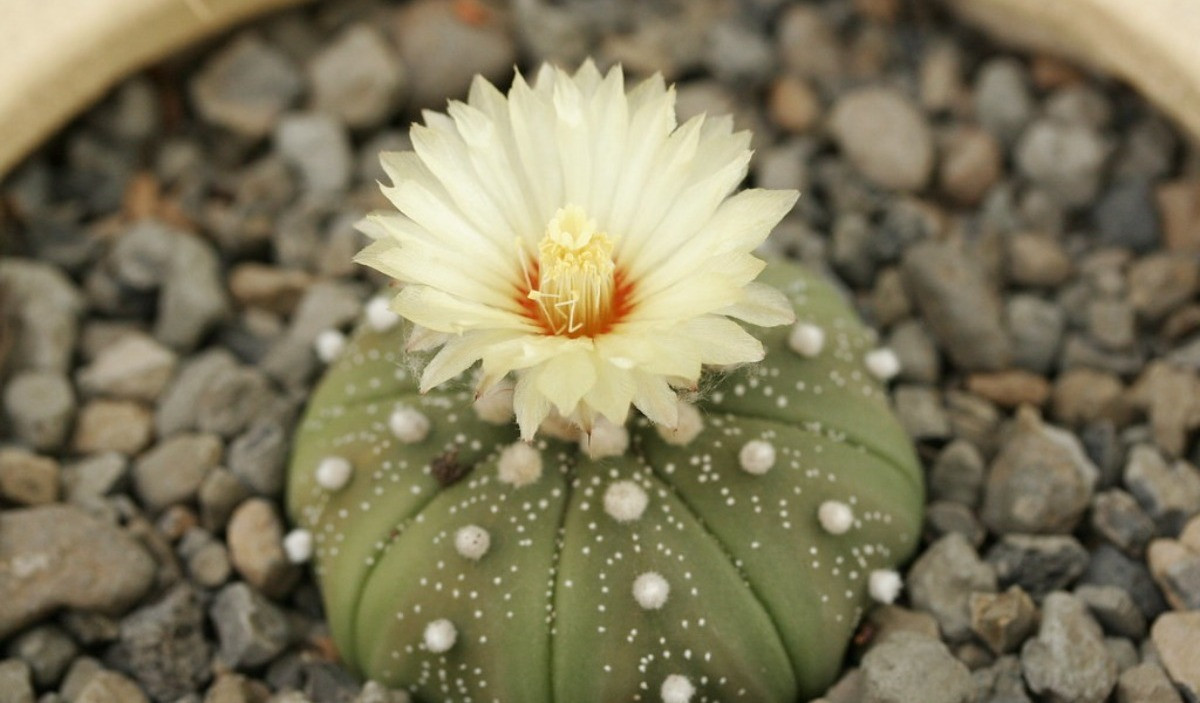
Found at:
<point>576,275</point>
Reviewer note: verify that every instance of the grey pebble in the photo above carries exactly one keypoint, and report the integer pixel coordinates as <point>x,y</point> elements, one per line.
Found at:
<point>90,628</point>
<point>1109,567</point>
<point>1117,517</point>
<point>907,667</point>
<point>1126,216</point>
<point>15,682</point>
<point>1080,352</point>
<point>213,393</point>
<point>942,580</point>
<point>1146,683</point>
<point>326,305</point>
<point>173,471</point>
<point>1041,481</point>
<point>41,406</point>
<point>739,54</point>
<point>191,300</point>
<point>1112,323</point>
<point>357,77</point>
<point>46,306</point>
<point>1168,492</point>
<point>974,419</point>
<point>849,250</point>
<point>961,310</point>
<point>1066,159</point>
<point>60,556</point>
<point>1161,282</point>
<point>163,646</point>
<point>443,53</point>
<point>1038,564</point>
<point>245,86</point>
<point>206,558</point>
<point>1036,326</point>
<point>1176,637</point>
<point>317,146</point>
<point>48,651</point>
<point>1115,610</point>
<point>921,413</point>
<point>889,300</point>
<point>945,517</point>
<point>1068,660</point>
<point>258,455</point>
<point>1001,682</point>
<point>94,477</point>
<point>1002,97</point>
<point>918,355</point>
<point>219,494</point>
<point>250,628</point>
<point>957,474</point>
<point>1122,652</point>
<point>135,367</point>
<point>884,135</point>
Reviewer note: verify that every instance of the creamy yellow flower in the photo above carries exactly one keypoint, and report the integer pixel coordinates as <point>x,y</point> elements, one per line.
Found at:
<point>572,235</point>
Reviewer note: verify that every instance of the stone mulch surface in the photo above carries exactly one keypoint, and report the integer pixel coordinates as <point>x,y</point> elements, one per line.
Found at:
<point>1024,235</point>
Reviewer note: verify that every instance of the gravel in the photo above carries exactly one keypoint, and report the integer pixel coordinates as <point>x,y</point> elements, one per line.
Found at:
<point>1022,235</point>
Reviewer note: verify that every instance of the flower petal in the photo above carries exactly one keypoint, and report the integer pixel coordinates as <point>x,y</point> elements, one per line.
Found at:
<point>764,306</point>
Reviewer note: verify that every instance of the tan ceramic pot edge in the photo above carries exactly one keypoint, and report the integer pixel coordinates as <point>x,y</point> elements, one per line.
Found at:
<point>1151,44</point>
<point>58,56</point>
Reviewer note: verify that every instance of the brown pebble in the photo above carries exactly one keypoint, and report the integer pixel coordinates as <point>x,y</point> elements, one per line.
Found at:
<point>793,105</point>
<point>121,426</point>
<point>1176,636</point>
<point>255,537</point>
<point>1082,395</point>
<point>972,162</point>
<point>1179,209</point>
<point>1037,260</point>
<point>268,287</point>
<point>1011,388</point>
<point>1050,72</point>
<point>28,479</point>
<point>1171,396</point>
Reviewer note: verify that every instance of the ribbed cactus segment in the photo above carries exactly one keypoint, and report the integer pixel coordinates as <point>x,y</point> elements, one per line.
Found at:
<point>707,561</point>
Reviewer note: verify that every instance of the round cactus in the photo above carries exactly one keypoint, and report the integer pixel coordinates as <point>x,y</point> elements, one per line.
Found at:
<point>728,560</point>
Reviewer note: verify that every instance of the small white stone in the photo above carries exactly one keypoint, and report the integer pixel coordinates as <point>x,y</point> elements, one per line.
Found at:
<point>650,590</point>
<point>329,345</point>
<point>885,585</point>
<point>689,426</point>
<point>379,314</point>
<point>472,541</point>
<point>298,545</point>
<point>625,501</point>
<point>333,473</point>
<point>519,464</point>
<point>757,457</point>
<point>806,339</point>
<point>835,517</point>
<point>409,425</point>
<point>496,405</point>
<point>677,689</point>
<point>607,439</point>
<point>883,363</point>
<point>440,636</point>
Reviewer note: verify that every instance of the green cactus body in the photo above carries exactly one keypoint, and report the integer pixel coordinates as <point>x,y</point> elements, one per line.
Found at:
<point>760,598</point>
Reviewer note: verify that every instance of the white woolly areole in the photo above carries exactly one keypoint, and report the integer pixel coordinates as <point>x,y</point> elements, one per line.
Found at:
<point>333,473</point>
<point>298,546</point>
<point>689,425</point>
<point>882,363</point>
<point>495,405</point>
<point>625,501</point>
<point>329,345</point>
<point>806,339</point>
<point>835,517</point>
<point>440,636</point>
<point>677,688</point>
<point>409,425</point>
<point>519,464</point>
<point>472,541</point>
<point>606,439</point>
<point>885,585</point>
<point>379,314</point>
<point>528,222</point>
<point>650,590</point>
<point>757,457</point>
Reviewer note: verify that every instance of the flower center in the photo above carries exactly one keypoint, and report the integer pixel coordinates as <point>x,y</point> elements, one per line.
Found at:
<point>577,281</point>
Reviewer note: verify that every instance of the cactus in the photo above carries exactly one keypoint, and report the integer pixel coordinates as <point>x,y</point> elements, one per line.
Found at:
<point>734,566</point>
